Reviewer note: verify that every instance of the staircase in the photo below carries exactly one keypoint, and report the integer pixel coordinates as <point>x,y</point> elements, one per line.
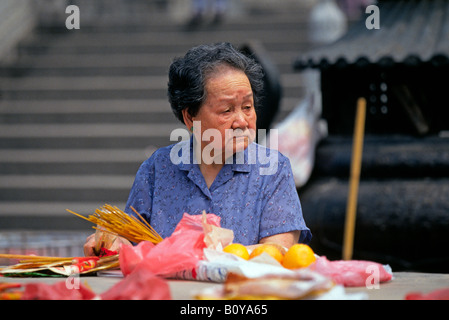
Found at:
<point>81,109</point>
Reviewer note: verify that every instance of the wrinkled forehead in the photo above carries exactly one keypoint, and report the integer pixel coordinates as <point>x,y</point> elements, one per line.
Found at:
<point>230,82</point>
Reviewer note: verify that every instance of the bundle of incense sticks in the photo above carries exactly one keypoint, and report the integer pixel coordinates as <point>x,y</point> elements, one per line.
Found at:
<point>112,219</point>
<point>57,265</point>
<point>23,258</point>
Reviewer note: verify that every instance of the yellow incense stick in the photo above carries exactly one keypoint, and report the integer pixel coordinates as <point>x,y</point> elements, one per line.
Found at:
<point>30,257</point>
<point>114,220</point>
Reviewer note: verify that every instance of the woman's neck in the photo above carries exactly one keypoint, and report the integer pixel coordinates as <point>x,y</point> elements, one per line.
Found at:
<point>210,172</point>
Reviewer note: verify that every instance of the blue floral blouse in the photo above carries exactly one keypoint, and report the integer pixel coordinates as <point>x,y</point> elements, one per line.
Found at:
<point>252,202</point>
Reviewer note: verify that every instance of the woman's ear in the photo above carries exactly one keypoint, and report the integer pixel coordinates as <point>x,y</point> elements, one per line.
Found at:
<point>188,119</point>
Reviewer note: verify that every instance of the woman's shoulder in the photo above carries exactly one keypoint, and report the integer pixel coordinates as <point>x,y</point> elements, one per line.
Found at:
<point>264,152</point>
<point>261,147</point>
<point>268,161</point>
<point>159,156</point>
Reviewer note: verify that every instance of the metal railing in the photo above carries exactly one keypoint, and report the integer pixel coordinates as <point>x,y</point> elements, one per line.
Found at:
<point>42,243</point>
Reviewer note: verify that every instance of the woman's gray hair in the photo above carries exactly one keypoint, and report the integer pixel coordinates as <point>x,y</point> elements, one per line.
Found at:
<point>187,75</point>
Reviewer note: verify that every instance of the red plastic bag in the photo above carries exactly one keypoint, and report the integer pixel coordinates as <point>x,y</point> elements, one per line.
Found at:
<point>57,291</point>
<point>181,251</point>
<point>439,294</point>
<point>131,256</point>
<point>141,284</point>
<point>352,273</point>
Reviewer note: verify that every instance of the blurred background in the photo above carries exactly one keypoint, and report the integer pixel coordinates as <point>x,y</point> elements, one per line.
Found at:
<point>80,109</point>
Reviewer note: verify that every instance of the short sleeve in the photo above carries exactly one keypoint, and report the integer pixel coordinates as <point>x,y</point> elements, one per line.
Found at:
<point>282,212</point>
<point>141,193</point>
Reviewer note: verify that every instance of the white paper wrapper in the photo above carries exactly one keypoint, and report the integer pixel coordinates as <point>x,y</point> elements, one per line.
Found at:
<point>281,282</point>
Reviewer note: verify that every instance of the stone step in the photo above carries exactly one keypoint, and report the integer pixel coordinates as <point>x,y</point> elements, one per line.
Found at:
<point>94,88</point>
<point>49,215</point>
<point>246,19</point>
<point>97,130</point>
<point>172,16</point>
<point>158,42</point>
<point>41,47</point>
<point>83,167</point>
<point>81,136</point>
<point>122,83</point>
<point>78,117</point>
<point>94,107</point>
<point>121,64</point>
<point>52,209</point>
<point>285,25</point>
<point>65,187</point>
<point>89,95</point>
<point>83,143</point>
<point>50,194</point>
<point>35,70</point>
<point>94,117</point>
<point>39,182</point>
<point>74,161</point>
<point>61,83</point>
<point>72,156</point>
<point>94,123</point>
<point>75,106</point>
<point>152,21</point>
<point>108,141</point>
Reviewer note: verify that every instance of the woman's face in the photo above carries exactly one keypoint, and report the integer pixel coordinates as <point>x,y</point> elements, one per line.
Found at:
<point>227,116</point>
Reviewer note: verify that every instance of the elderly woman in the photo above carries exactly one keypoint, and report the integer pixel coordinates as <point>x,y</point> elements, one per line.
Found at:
<point>214,90</point>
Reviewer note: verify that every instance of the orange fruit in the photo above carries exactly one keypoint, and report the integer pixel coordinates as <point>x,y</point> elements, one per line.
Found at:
<point>270,249</point>
<point>237,249</point>
<point>298,256</point>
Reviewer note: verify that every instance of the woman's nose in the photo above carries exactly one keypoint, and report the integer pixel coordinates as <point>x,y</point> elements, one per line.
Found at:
<point>240,121</point>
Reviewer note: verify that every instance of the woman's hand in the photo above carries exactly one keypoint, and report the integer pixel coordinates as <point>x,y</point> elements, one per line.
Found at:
<point>91,245</point>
